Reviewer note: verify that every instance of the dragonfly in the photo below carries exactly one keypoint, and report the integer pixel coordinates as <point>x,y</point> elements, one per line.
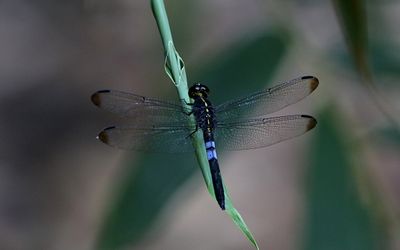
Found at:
<point>154,125</point>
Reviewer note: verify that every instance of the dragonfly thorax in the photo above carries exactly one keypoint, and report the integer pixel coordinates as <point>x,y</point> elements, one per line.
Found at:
<point>203,109</point>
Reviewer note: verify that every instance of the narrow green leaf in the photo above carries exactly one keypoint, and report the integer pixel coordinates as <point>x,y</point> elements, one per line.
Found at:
<point>175,67</point>
<point>237,219</point>
<point>337,218</point>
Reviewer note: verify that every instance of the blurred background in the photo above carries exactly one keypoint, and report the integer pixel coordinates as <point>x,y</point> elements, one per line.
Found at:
<point>336,187</point>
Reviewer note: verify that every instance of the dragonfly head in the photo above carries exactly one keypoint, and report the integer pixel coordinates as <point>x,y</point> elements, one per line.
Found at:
<point>198,90</point>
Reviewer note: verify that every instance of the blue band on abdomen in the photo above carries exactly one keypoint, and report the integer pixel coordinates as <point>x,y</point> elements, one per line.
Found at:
<point>210,144</point>
<point>210,149</point>
<point>211,154</point>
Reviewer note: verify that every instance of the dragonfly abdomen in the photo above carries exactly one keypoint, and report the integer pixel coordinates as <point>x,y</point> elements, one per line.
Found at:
<point>215,173</point>
<point>205,121</point>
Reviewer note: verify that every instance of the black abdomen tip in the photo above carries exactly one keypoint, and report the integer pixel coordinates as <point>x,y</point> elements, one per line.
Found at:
<point>222,205</point>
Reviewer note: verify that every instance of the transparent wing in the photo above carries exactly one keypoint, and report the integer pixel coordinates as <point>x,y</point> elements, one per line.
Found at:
<point>261,132</point>
<point>168,139</point>
<point>139,107</point>
<point>270,100</point>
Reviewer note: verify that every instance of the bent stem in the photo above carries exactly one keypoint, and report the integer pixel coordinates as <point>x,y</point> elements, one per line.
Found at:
<point>175,69</point>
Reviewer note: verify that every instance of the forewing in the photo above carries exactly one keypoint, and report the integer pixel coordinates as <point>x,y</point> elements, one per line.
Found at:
<point>269,100</point>
<point>261,132</point>
<point>139,107</point>
<point>168,139</point>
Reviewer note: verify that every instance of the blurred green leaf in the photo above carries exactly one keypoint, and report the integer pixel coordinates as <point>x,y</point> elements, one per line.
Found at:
<point>383,61</point>
<point>246,67</point>
<point>389,134</point>
<point>146,187</point>
<point>352,16</point>
<point>336,216</point>
<point>152,180</point>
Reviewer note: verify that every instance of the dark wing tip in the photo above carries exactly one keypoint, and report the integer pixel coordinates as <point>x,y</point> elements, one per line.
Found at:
<point>313,82</point>
<point>311,123</point>
<point>96,97</point>
<point>103,135</point>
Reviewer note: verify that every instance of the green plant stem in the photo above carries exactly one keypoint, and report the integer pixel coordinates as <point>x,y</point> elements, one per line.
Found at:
<point>175,69</point>
<point>174,64</point>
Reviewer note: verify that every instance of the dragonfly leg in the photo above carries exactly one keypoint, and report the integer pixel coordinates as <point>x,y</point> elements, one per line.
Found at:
<point>194,131</point>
